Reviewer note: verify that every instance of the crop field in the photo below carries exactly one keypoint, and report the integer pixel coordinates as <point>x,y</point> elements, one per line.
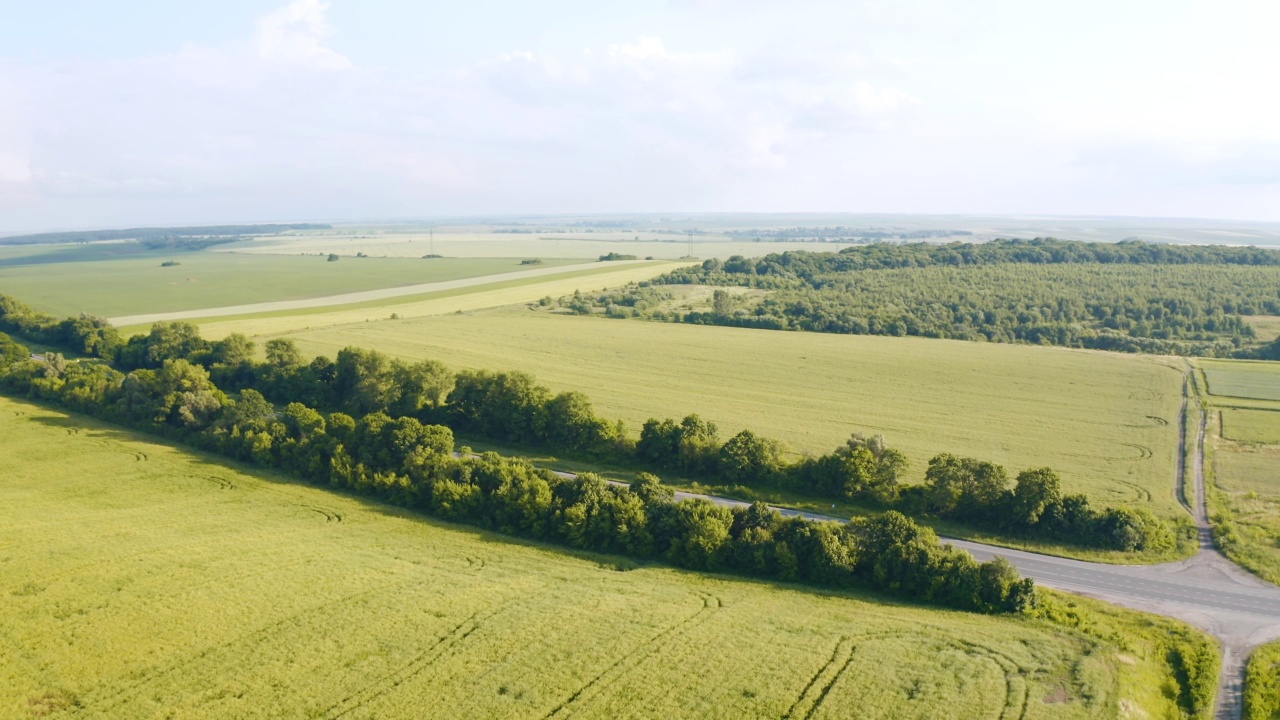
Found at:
<point>543,244</point>
<point>498,293</point>
<point>1244,428</point>
<point>1105,421</point>
<point>1252,426</point>
<point>135,282</point>
<point>1248,486</point>
<point>1253,380</point>
<point>141,580</point>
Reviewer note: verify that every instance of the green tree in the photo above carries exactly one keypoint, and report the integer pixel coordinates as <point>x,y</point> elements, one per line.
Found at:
<point>365,380</point>
<point>423,386</point>
<point>570,424</point>
<point>701,534</point>
<point>1034,492</point>
<point>749,459</point>
<point>283,353</point>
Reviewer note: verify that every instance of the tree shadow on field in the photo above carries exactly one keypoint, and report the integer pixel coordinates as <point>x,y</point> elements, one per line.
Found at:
<point>81,426</point>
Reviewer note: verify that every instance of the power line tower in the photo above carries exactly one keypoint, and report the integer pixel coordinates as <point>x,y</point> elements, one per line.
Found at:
<point>690,243</point>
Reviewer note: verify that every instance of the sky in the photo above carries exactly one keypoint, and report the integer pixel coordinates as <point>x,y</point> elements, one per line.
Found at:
<point>136,113</point>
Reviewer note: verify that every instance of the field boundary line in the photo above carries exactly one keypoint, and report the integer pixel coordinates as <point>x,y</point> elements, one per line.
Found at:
<point>353,298</point>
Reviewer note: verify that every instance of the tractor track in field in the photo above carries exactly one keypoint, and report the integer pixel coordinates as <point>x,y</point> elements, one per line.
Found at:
<point>633,658</point>
<point>120,694</point>
<point>1207,590</point>
<point>414,667</point>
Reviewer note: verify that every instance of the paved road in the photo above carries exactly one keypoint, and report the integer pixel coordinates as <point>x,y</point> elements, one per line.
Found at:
<point>1208,590</point>
<point>355,297</point>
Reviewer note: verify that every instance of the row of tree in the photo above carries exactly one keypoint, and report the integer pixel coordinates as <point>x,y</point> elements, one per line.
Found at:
<point>512,408</point>
<point>412,464</point>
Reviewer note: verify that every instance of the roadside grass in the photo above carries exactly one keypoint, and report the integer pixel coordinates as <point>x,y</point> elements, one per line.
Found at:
<point>135,283</point>
<point>1247,504</point>
<point>142,580</point>
<point>1106,422</point>
<point>498,293</point>
<point>1262,684</point>
<point>1242,462</point>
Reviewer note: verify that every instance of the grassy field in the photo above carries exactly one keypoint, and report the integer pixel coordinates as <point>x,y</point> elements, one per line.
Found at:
<point>1251,380</point>
<point>1248,498</point>
<point>1252,426</point>
<point>136,283</point>
<point>1106,422</point>
<point>1262,687</point>
<point>1244,431</point>
<point>140,580</point>
<point>1267,326</point>
<point>498,293</point>
<point>545,243</point>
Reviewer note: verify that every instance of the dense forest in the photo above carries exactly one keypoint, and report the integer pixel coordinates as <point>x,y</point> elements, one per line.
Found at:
<point>841,233</point>
<point>510,407</point>
<point>157,236</point>
<point>411,463</point>
<point>1127,296</point>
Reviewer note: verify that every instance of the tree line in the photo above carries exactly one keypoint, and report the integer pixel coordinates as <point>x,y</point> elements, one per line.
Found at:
<point>1126,297</point>
<point>512,408</point>
<point>407,462</point>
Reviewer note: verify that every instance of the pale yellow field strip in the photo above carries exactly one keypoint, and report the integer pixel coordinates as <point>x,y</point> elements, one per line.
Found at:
<point>348,298</point>
<point>282,324</point>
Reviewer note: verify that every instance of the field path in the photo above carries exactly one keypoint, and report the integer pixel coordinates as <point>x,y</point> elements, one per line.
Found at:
<point>358,297</point>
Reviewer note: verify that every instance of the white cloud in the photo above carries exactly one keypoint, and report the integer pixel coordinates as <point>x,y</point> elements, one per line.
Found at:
<point>296,34</point>
<point>691,120</point>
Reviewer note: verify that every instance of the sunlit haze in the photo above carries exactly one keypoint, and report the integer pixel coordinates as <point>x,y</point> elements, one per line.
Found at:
<point>133,112</point>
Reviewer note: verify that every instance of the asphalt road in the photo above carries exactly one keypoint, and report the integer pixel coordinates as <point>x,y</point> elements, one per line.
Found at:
<point>1199,584</point>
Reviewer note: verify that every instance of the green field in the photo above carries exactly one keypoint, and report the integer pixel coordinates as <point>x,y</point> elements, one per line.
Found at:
<point>141,580</point>
<point>1244,457</point>
<point>1251,426</point>
<point>545,243</point>
<point>1266,326</point>
<point>1105,421</point>
<point>1262,687</point>
<point>1254,380</point>
<point>500,292</point>
<point>1247,503</point>
<point>68,281</point>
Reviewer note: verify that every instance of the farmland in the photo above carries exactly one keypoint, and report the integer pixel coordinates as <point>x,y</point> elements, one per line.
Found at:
<point>497,293</point>
<point>1102,420</point>
<point>59,281</point>
<point>1251,381</point>
<point>545,242</point>
<point>1244,426</point>
<point>259,595</point>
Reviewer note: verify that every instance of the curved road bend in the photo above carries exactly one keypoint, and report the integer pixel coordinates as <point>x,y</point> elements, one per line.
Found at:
<point>1208,590</point>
